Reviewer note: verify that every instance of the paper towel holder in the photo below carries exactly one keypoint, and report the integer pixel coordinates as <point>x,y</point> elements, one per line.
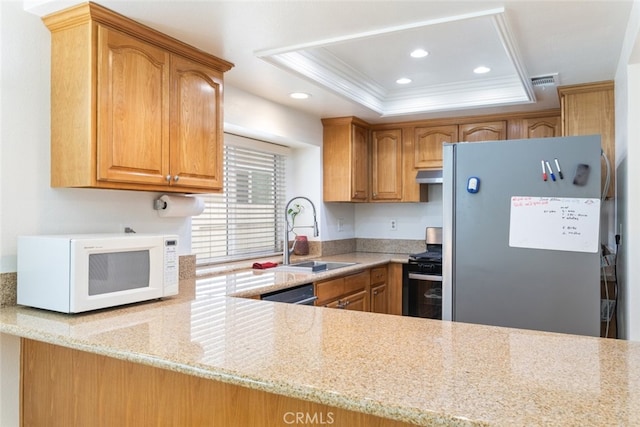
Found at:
<point>159,204</point>
<point>178,205</point>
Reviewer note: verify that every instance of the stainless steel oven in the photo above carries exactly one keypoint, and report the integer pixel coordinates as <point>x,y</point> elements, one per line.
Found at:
<point>422,279</point>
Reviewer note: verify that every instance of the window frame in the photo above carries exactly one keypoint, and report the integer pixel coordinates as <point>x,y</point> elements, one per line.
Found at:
<point>245,146</point>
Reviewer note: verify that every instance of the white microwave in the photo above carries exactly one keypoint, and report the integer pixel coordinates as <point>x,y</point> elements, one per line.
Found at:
<point>77,273</point>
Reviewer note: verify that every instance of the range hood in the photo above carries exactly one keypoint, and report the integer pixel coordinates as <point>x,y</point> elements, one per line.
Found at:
<point>429,176</point>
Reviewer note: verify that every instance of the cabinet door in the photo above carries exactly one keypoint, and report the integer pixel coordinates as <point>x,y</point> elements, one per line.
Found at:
<point>543,127</point>
<point>358,301</point>
<point>379,299</point>
<point>428,145</point>
<point>133,110</point>
<point>589,110</point>
<point>488,131</point>
<point>386,165</point>
<point>196,125</point>
<point>359,163</point>
<point>345,160</point>
<point>533,127</point>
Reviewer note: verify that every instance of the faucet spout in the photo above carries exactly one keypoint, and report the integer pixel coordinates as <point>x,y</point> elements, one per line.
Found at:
<point>286,252</point>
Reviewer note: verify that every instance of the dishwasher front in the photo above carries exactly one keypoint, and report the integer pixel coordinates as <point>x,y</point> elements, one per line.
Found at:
<point>302,295</point>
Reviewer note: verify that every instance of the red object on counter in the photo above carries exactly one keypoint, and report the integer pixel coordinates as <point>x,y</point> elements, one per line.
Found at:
<point>263,265</point>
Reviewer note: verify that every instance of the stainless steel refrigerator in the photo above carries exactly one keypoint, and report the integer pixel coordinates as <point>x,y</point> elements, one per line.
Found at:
<point>521,243</point>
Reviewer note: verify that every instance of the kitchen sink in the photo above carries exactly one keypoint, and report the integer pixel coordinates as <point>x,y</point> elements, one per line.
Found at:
<point>314,266</point>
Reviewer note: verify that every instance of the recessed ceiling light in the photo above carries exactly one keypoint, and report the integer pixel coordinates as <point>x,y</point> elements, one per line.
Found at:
<point>481,70</point>
<point>419,53</point>
<point>403,81</point>
<point>299,95</point>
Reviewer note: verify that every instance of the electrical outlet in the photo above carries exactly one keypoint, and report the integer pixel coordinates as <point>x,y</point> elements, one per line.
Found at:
<point>340,224</point>
<point>393,225</point>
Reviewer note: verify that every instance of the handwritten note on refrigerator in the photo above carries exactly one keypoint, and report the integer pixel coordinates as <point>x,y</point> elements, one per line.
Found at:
<point>554,223</point>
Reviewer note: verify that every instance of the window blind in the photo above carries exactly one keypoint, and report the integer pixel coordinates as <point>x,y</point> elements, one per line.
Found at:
<point>246,220</point>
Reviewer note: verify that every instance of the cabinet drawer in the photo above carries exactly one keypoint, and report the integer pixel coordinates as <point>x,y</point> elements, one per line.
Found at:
<point>356,282</point>
<point>329,290</point>
<point>378,275</point>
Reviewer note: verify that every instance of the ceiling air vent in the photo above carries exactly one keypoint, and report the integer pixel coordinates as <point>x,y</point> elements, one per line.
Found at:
<point>545,81</point>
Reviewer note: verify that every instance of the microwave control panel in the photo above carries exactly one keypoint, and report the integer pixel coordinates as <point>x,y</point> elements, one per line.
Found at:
<point>170,266</point>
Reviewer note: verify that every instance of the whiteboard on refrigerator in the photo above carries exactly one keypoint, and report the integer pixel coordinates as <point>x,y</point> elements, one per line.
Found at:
<point>555,223</point>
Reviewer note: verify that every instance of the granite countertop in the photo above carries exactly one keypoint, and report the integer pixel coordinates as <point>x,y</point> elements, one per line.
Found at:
<point>421,371</point>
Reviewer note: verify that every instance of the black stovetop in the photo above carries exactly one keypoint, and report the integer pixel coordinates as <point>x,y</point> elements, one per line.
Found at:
<point>428,262</point>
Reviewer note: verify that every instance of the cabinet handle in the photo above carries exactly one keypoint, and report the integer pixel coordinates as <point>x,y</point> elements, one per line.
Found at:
<point>168,178</point>
<point>176,178</point>
<point>375,292</point>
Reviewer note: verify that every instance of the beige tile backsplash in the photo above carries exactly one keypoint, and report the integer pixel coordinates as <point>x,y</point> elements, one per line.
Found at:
<point>8,289</point>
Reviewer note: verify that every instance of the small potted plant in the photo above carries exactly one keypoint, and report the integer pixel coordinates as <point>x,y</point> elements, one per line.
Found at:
<point>301,244</point>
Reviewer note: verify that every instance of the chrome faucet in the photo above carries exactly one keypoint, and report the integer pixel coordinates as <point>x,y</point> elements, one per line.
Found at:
<point>286,251</point>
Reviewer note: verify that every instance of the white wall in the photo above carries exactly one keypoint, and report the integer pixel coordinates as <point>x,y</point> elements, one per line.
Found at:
<point>629,209</point>
<point>627,191</point>
<point>374,219</point>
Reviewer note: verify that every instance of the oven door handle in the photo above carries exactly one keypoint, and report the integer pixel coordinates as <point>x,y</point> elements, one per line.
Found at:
<point>430,277</point>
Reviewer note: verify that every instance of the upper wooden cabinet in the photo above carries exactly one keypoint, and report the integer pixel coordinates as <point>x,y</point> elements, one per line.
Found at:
<point>428,145</point>
<point>386,165</point>
<point>487,131</point>
<point>534,127</point>
<point>345,152</point>
<point>585,110</point>
<point>132,108</point>
<point>196,109</point>
<point>589,109</point>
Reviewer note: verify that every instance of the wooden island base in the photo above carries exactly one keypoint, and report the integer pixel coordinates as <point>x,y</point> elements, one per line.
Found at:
<point>66,387</point>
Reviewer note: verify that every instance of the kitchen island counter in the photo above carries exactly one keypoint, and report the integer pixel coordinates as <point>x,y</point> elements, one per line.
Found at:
<point>420,371</point>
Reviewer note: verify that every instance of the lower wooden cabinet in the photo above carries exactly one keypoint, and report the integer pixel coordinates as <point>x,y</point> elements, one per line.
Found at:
<point>357,302</point>
<point>364,291</point>
<point>347,292</point>
<point>395,288</point>
<point>379,300</point>
<point>66,387</point>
